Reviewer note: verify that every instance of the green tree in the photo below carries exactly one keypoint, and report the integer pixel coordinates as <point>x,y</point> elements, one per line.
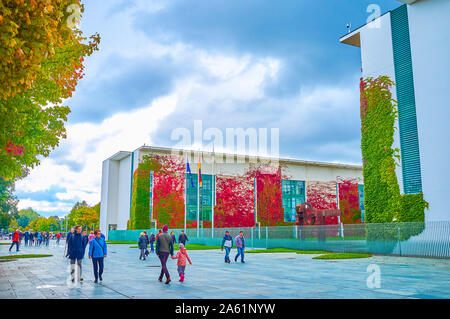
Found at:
<point>41,62</point>
<point>83,214</point>
<point>5,221</point>
<point>8,202</point>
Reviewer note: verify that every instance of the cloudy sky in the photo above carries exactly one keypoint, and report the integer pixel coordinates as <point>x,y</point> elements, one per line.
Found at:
<point>230,63</point>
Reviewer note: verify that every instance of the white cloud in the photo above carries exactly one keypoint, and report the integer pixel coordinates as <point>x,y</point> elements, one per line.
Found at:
<point>122,131</point>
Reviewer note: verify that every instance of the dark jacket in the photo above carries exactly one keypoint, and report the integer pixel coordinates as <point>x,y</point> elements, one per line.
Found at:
<point>227,238</point>
<point>147,239</point>
<point>164,244</point>
<point>142,242</point>
<point>183,239</point>
<point>76,246</point>
<point>97,248</point>
<point>152,238</point>
<point>174,240</point>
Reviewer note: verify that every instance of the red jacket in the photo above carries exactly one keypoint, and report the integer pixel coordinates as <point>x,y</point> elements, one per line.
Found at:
<point>15,237</point>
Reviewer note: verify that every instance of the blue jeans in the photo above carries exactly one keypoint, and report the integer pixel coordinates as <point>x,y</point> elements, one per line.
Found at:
<point>14,243</point>
<point>151,247</point>
<point>227,253</point>
<point>240,253</point>
<point>98,267</point>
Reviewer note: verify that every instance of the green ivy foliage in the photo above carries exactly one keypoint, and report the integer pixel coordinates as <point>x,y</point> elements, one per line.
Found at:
<point>140,200</point>
<point>383,201</point>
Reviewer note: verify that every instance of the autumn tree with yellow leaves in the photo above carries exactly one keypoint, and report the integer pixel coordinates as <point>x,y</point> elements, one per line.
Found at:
<point>41,61</point>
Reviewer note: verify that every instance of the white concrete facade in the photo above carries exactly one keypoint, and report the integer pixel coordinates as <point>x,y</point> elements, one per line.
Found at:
<point>429,32</point>
<point>429,26</point>
<point>116,177</point>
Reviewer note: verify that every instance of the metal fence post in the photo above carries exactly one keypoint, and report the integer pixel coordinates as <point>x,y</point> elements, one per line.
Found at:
<point>252,237</point>
<point>267,237</point>
<point>399,240</point>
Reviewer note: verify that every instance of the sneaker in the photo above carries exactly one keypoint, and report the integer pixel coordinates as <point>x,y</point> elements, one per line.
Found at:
<point>167,281</point>
<point>81,279</point>
<point>242,261</point>
<point>100,276</point>
<point>160,279</point>
<point>235,259</point>
<point>95,281</point>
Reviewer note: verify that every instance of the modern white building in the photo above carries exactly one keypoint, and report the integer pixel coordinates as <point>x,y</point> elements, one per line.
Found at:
<point>117,177</point>
<point>411,45</point>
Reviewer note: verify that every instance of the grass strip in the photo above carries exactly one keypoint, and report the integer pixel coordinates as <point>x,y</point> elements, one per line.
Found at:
<point>342,256</point>
<point>191,247</point>
<point>24,256</point>
<point>117,242</point>
<point>285,250</point>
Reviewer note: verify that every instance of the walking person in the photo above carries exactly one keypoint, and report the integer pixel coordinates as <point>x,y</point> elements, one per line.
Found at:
<point>152,239</point>
<point>182,255</point>
<point>159,233</point>
<point>15,240</point>
<point>76,248</point>
<point>36,240</point>
<point>142,243</point>
<point>91,235</point>
<point>240,245</point>
<point>39,238</point>
<point>148,241</point>
<point>31,236</point>
<point>97,252</point>
<point>172,235</point>
<point>47,239</point>
<point>164,247</point>
<point>227,242</point>
<point>26,235</point>
<point>69,235</point>
<point>58,238</point>
<point>182,239</point>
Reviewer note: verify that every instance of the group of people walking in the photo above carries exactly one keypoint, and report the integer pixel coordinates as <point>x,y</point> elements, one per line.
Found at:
<point>227,242</point>
<point>77,242</point>
<point>33,239</point>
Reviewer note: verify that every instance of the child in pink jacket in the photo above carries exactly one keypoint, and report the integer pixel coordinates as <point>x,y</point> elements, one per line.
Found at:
<point>182,255</point>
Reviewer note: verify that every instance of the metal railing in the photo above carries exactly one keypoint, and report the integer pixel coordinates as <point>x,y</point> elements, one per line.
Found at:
<point>418,239</point>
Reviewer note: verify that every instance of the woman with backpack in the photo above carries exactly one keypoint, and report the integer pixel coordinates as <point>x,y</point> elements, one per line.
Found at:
<point>97,252</point>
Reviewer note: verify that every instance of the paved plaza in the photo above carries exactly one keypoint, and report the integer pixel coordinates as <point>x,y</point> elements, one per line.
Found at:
<point>275,275</point>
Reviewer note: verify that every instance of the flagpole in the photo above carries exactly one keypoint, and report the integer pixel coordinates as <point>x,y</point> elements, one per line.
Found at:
<point>198,197</point>
<point>185,197</point>
<point>213,186</point>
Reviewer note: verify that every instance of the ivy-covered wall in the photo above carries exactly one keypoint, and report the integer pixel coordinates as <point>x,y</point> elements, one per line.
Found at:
<point>382,199</point>
<point>234,202</point>
<point>234,196</point>
<point>349,201</point>
<point>322,195</point>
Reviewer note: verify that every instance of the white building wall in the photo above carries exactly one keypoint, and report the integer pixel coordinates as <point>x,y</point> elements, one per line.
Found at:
<point>429,26</point>
<point>377,59</point>
<point>123,198</point>
<point>113,191</point>
<point>104,196</point>
<point>116,180</point>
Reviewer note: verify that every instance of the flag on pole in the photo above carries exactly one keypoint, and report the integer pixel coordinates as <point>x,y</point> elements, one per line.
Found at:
<point>188,171</point>
<point>199,172</point>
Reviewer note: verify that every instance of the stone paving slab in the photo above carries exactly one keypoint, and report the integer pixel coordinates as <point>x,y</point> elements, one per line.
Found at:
<point>277,275</point>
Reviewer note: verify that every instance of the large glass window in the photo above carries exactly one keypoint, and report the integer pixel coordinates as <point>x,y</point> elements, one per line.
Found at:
<point>205,197</point>
<point>292,194</point>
